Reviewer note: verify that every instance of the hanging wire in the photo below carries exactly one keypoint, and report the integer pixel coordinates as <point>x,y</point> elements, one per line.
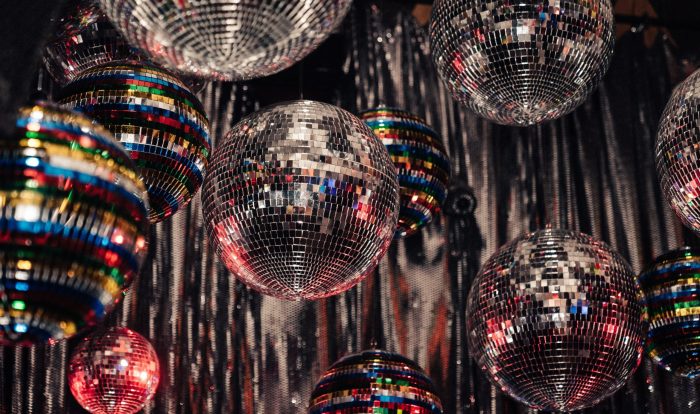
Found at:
<point>301,80</point>
<point>41,89</point>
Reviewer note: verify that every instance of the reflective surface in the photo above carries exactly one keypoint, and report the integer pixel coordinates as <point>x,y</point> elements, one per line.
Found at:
<point>672,301</point>
<point>554,321</point>
<point>84,38</point>
<point>677,143</point>
<point>226,39</point>
<point>114,372</point>
<point>237,351</point>
<point>421,162</point>
<point>73,225</point>
<point>302,200</point>
<point>158,120</point>
<point>523,62</point>
<point>375,381</point>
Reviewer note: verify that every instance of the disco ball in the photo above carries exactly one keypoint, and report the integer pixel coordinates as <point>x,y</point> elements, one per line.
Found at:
<point>420,160</point>
<point>227,39</point>
<point>525,62</point>
<point>302,200</point>
<point>73,225</point>
<point>671,288</point>
<point>677,144</point>
<point>158,120</point>
<point>554,320</point>
<point>85,38</point>
<point>114,371</point>
<point>375,382</point>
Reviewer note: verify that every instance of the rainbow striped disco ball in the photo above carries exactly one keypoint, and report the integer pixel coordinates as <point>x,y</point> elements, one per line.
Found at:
<point>73,225</point>
<point>421,162</point>
<point>160,122</point>
<point>671,288</point>
<point>375,381</point>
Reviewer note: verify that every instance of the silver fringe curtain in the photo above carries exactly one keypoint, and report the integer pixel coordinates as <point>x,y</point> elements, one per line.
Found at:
<point>226,349</point>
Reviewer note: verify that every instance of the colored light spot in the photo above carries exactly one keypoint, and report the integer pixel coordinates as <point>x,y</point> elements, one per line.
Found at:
<point>24,264</point>
<point>36,115</point>
<point>18,305</point>
<point>21,275</point>
<point>27,213</point>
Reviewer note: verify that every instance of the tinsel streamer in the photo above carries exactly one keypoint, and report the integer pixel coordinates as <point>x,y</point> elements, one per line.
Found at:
<point>464,246</point>
<point>18,395</point>
<point>33,405</point>
<point>54,378</point>
<point>5,373</point>
<point>225,349</point>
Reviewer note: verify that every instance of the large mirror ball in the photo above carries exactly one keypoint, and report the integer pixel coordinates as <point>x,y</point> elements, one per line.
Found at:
<point>301,201</point>
<point>554,320</point>
<point>226,39</point>
<point>525,62</point>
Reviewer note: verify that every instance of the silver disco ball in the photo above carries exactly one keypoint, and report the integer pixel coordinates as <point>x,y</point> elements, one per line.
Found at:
<point>84,38</point>
<point>227,39</point>
<point>554,321</point>
<point>678,149</point>
<point>523,62</point>
<point>301,201</point>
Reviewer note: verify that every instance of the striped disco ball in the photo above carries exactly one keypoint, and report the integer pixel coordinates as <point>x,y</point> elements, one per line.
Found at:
<point>114,371</point>
<point>524,62</point>
<point>421,162</point>
<point>375,381</point>
<point>159,121</point>
<point>227,39</point>
<point>73,225</point>
<point>671,288</point>
<point>676,152</point>
<point>301,201</point>
<point>554,320</point>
